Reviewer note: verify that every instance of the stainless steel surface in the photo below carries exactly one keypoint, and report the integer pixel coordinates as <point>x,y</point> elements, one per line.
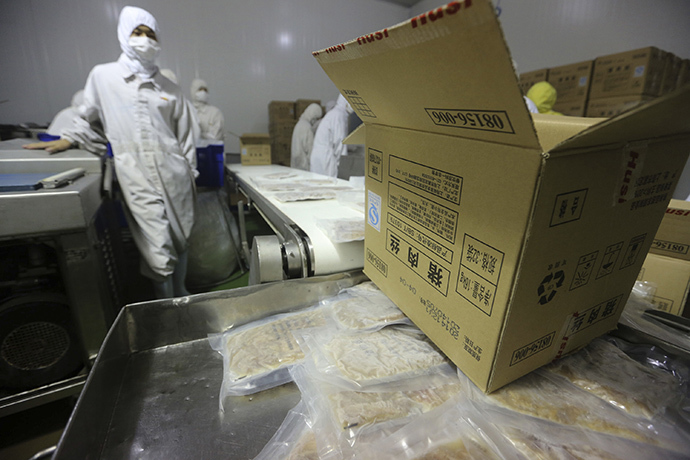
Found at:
<point>35,397</point>
<point>66,209</point>
<point>266,260</point>
<point>14,159</point>
<point>153,391</point>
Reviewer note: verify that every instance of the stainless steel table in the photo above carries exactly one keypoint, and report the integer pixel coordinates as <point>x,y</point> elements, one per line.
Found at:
<point>153,391</point>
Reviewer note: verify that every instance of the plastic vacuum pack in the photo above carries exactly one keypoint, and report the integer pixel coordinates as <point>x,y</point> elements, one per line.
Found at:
<point>364,308</point>
<point>344,420</point>
<point>257,355</point>
<point>361,359</point>
<point>342,230</point>
<point>549,397</point>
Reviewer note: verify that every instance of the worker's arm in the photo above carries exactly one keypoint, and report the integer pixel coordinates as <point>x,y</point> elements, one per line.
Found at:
<point>51,146</point>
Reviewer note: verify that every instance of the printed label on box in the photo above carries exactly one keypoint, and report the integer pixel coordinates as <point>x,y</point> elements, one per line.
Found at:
<point>582,320</point>
<point>374,210</point>
<point>375,164</point>
<point>434,181</point>
<point>429,243</point>
<point>480,270</point>
<point>419,262</point>
<point>568,207</point>
<point>432,216</point>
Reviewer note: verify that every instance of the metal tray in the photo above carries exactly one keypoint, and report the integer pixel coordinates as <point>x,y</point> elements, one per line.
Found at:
<point>153,391</point>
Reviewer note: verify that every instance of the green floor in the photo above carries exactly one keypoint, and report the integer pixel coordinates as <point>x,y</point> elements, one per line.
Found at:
<point>255,225</point>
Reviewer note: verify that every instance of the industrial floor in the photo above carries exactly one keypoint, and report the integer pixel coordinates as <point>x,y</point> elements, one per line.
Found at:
<point>26,433</point>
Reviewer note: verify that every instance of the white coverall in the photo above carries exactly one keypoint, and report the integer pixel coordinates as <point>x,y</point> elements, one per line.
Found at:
<point>149,126</point>
<point>211,119</point>
<point>328,140</point>
<point>65,117</point>
<point>303,137</point>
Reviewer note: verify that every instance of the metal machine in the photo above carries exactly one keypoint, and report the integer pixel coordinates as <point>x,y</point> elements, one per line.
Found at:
<point>299,249</point>
<point>57,292</point>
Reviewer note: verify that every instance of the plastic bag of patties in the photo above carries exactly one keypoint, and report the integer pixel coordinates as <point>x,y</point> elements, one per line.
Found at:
<point>364,310</point>
<point>360,359</point>
<point>294,439</point>
<point>556,400</point>
<point>342,230</point>
<point>305,195</point>
<point>257,355</point>
<point>453,431</point>
<point>605,371</point>
<point>344,420</point>
<point>537,439</point>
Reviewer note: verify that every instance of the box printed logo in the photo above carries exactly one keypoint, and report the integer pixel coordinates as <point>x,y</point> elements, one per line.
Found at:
<point>374,210</point>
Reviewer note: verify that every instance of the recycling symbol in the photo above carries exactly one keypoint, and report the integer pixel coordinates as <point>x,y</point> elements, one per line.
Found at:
<point>549,286</point>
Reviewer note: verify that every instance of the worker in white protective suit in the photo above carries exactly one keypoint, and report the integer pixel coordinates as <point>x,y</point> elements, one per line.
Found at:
<point>211,119</point>
<point>328,140</point>
<point>303,137</point>
<point>65,117</point>
<point>170,75</point>
<point>149,127</point>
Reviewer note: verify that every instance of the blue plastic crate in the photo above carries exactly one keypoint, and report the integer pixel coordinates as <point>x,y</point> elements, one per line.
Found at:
<point>210,163</point>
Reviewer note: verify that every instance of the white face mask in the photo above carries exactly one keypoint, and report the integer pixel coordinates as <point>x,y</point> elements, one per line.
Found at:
<point>201,96</point>
<point>145,48</point>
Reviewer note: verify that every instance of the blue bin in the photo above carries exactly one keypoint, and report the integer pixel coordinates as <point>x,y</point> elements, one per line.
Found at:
<point>210,164</point>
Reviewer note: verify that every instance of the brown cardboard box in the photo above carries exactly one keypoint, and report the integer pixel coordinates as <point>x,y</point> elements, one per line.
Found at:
<point>528,79</point>
<point>612,106</point>
<point>683,73</point>
<point>571,108</point>
<point>508,246</point>
<point>673,237</point>
<point>302,104</point>
<point>637,72</point>
<point>671,73</point>
<point>282,129</point>
<point>671,280</point>
<point>281,110</point>
<point>571,82</point>
<point>281,151</point>
<point>255,149</point>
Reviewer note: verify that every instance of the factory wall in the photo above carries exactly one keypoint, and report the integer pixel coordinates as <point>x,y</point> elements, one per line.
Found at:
<point>253,52</point>
<point>550,33</point>
<point>249,52</point>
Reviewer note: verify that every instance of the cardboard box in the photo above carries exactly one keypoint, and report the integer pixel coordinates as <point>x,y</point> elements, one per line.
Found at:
<point>281,110</point>
<point>282,129</point>
<point>671,280</point>
<point>255,149</point>
<point>612,106</point>
<point>683,73</point>
<point>301,104</point>
<point>671,72</point>
<point>281,151</point>
<point>528,79</point>
<point>509,246</point>
<point>571,108</point>
<point>673,237</point>
<point>571,82</point>
<point>637,72</point>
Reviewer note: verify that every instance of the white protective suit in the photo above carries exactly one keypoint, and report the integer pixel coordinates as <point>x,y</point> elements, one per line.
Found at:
<point>170,75</point>
<point>303,137</point>
<point>328,140</point>
<point>211,119</point>
<point>149,126</point>
<point>65,117</point>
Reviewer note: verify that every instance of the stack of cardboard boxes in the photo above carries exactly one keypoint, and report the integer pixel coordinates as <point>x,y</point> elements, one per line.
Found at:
<point>281,123</point>
<point>613,83</point>
<point>282,118</point>
<point>667,266</point>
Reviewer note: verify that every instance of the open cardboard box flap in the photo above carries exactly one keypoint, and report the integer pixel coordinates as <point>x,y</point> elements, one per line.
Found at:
<point>413,76</point>
<point>386,77</point>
